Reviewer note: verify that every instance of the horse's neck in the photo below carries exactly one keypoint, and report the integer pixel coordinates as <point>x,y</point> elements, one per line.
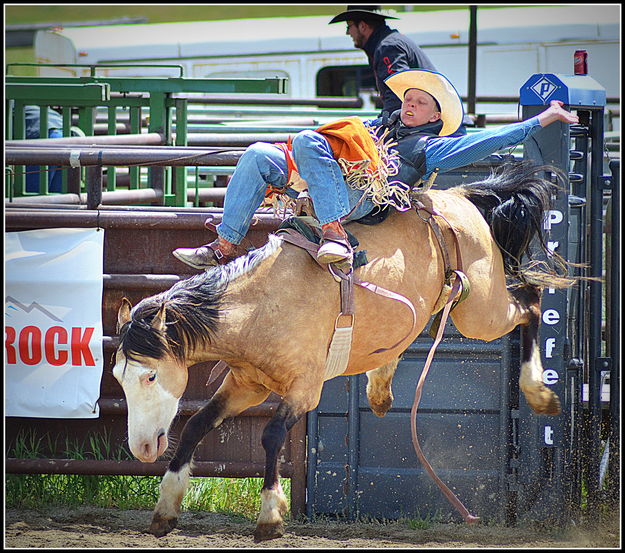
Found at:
<point>237,309</point>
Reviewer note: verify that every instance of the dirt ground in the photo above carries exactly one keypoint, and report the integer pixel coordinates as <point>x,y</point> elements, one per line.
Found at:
<point>92,527</point>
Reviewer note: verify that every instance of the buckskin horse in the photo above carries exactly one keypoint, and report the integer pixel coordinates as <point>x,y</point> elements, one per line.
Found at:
<point>271,314</point>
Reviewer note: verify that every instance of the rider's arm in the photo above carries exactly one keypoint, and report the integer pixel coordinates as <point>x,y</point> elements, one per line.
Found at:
<point>450,153</point>
<point>447,153</point>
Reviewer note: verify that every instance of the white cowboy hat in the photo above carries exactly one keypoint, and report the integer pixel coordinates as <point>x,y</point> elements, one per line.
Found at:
<point>437,86</point>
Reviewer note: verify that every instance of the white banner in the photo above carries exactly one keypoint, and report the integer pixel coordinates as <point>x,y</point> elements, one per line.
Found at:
<point>53,322</point>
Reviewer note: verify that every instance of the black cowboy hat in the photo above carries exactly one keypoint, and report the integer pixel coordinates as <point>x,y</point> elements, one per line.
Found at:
<point>361,12</point>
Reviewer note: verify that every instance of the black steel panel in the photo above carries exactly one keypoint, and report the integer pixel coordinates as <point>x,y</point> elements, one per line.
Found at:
<point>458,441</point>
<point>335,396</point>
<point>457,380</point>
<point>330,497</point>
<point>413,494</point>
<point>332,447</point>
<point>367,466</point>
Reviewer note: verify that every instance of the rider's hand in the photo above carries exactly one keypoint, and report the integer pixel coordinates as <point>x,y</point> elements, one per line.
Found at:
<point>555,112</point>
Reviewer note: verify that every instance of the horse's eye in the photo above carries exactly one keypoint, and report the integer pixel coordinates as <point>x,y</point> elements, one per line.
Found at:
<point>152,377</point>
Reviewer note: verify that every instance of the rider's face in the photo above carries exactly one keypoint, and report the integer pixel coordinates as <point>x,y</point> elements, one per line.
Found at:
<point>418,108</point>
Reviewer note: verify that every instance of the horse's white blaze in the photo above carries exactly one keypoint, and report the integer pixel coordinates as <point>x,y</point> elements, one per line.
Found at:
<point>151,409</point>
<point>273,506</point>
<point>172,489</point>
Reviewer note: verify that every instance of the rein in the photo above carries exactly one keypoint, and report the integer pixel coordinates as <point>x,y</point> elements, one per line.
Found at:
<point>451,497</point>
<point>458,292</point>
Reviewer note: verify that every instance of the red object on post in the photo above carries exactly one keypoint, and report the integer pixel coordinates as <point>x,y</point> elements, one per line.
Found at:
<point>580,62</point>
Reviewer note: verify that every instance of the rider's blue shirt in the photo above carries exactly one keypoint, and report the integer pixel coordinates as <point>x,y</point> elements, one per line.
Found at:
<point>451,152</point>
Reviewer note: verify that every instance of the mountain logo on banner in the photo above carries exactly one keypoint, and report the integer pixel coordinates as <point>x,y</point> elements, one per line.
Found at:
<point>29,308</point>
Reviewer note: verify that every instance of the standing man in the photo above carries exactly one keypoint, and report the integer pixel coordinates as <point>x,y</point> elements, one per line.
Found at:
<point>388,50</point>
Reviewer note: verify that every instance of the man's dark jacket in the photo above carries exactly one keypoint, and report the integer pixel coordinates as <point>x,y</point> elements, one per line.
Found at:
<point>389,52</point>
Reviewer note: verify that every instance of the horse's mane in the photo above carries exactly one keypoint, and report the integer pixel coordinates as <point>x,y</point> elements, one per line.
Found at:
<point>192,310</point>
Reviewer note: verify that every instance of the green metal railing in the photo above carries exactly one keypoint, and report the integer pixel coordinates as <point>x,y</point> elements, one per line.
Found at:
<point>86,94</point>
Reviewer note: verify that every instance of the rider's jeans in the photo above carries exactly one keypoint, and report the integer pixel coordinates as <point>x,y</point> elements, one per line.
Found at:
<point>264,164</point>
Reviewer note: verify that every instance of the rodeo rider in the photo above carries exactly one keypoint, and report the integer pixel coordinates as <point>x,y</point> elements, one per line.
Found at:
<point>354,169</point>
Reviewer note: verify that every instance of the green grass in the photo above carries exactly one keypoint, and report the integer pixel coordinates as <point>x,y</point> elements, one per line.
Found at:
<point>232,496</point>
<point>424,522</point>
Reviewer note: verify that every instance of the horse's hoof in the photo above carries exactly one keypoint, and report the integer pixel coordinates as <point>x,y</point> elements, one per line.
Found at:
<point>161,526</point>
<point>381,409</point>
<point>270,531</point>
<point>548,403</point>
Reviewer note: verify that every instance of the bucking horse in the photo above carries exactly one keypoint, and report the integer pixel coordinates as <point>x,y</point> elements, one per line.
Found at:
<point>271,316</point>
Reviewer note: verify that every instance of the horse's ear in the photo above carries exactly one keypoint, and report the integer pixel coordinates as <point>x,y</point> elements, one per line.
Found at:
<point>158,322</point>
<point>123,315</point>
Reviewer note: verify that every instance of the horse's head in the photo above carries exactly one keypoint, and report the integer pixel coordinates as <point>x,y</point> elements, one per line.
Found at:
<point>152,376</point>
<point>163,335</point>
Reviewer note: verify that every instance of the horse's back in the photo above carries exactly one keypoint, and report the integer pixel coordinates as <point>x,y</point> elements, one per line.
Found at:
<point>295,301</point>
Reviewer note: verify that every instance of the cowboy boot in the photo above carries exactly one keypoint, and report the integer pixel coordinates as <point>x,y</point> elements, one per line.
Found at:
<point>218,252</point>
<point>335,247</point>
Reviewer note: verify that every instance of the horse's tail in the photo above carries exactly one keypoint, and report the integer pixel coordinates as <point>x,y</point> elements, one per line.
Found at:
<point>514,199</point>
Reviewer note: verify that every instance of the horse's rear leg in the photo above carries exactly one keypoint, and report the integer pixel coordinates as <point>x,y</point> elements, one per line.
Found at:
<point>541,399</point>
<point>229,400</point>
<point>379,390</point>
<point>302,397</point>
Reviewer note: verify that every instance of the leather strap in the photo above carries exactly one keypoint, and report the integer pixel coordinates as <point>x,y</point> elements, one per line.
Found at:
<point>218,369</point>
<point>457,504</point>
<point>442,244</point>
<point>458,292</point>
<point>347,294</point>
<point>393,296</point>
<point>419,206</point>
<point>295,238</point>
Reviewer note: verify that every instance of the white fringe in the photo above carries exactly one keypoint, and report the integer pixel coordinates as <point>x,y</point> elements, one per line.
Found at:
<point>378,186</point>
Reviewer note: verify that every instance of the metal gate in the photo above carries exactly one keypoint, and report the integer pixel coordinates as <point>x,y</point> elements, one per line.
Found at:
<point>138,263</point>
<point>504,462</point>
<point>362,465</point>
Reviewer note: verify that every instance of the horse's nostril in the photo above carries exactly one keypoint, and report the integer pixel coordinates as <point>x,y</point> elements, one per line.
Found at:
<point>147,450</point>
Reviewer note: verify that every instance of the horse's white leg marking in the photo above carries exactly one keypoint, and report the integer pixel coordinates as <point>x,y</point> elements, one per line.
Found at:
<point>532,370</point>
<point>303,396</point>
<point>541,399</point>
<point>172,489</point>
<point>273,506</point>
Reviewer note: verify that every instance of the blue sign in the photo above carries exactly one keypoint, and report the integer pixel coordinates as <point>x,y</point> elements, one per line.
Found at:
<point>572,90</point>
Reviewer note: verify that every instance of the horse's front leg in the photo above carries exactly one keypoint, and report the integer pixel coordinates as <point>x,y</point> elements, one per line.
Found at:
<point>302,397</point>
<point>228,401</point>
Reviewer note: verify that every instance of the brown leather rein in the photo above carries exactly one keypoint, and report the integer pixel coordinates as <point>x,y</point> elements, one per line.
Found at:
<point>458,292</point>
